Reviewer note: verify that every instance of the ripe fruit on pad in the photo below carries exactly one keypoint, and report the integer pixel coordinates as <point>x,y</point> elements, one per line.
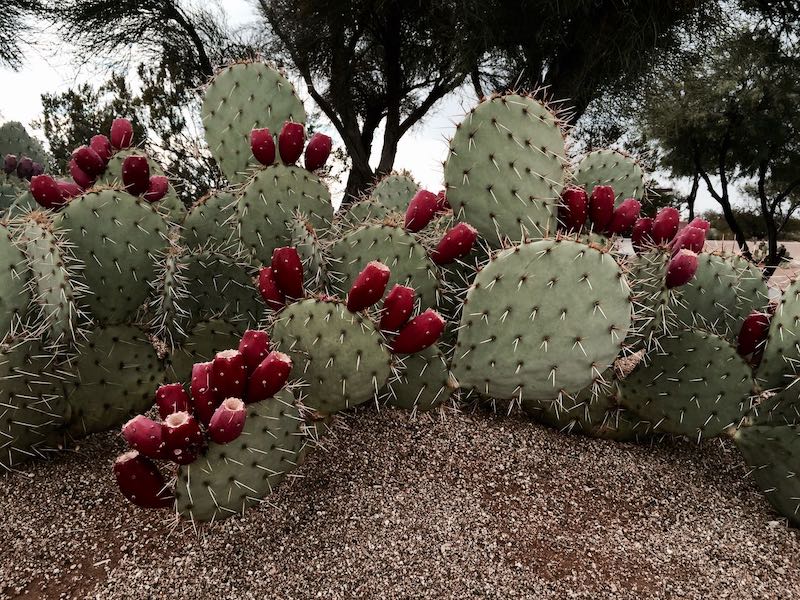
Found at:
<point>263,146</point>
<point>136,175</point>
<point>290,142</point>
<point>421,210</point>
<point>157,188</point>
<point>681,268</point>
<point>269,289</point>
<point>46,192</point>
<point>422,331</point>
<point>317,151</point>
<point>269,377</point>
<point>601,207</point>
<point>254,346</point>
<point>227,422</point>
<point>183,439</point>
<point>204,400</point>
<point>89,161</point>
<point>144,435</point>
<point>228,375</point>
<point>455,244</point>
<point>574,208</point>
<point>121,133</point>
<point>625,216</point>
<point>397,307</point>
<point>140,481</point>
<point>287,269</point>
<point>172,398</point>
<point>368,287</point>
<point>665,225</point>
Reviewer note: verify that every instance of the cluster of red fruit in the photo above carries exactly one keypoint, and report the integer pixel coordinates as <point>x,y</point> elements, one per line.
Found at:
<point>24,166</point>
<point>89,162</point>
<point>290,145</point>
<point>214,411</point>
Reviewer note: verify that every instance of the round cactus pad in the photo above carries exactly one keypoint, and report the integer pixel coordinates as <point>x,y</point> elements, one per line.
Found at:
<point>609,167</point>
<point>340,355</point>
<point>14,292</point>
<point>781,362</point>
<point>203,342</point>
<point>209,223</point>
<point>506,169</point>
<point>394,192</point>
<point>240,98</point>
<point>541,319</point>
<point>696,385</point>
<point>425,382</point>
<point>15,139</point>
<point>364,212</point>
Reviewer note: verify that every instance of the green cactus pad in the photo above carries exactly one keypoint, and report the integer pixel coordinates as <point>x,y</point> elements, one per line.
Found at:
<point>696,385</point>
<point>653,301</point>
<point>15,139</point>
<point>772,454</point>
<point>15,294</point>
<point>392,246</point>
<point>610,167</point>
<point>310,249</point>
<point>230,478</point>
<point>24,204</point>
<point>340,355</point>
<point>240,98</point>
<point>781,362</point>
<point>11,188</point>
<point>506,169</point>
<point>31,400</point>
<point>268,204</point>
<point>541,319</point>
<point>117,372</point>
<point>203,342</point>
<point>425,382</point>
<point>783,408</point>
<point>394,192</point>
<point>209,223</point>
<point>363,212</point>
<point>117,239</point>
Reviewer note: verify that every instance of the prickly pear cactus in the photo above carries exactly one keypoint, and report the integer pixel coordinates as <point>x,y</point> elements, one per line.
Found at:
<point>781,408</point>
<point>203,341</point>
<point>779,366</point>
<point>209,223</point>
<point>424,383</point>
<point>653,300</point>
<point>15,295</point>
<point>542,319</point>
<point>394,192</point>
<point>311,250</point>
<point>14,139</point>
<point>611,167</point>
<point>506,169</point>
<point>366,211</point>
<point>239,98</point>
<point>229,478</point>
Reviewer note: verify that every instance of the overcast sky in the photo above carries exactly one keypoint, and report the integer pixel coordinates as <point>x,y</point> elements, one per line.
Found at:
<point>421,151</point>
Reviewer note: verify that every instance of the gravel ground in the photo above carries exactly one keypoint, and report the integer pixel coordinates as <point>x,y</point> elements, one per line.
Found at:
<point>453,507</point>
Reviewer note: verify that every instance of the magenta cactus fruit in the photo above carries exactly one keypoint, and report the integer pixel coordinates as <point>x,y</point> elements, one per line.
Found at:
<point>601,207</point>
<point>46,192</point>
<point>665,225</point>
<point>79,176</point>
<point>227,422</point>
<point>9,163</point>
<point>145,436</point>
<point>37,169</point>
<point>574,208</point>
<point>287,269</point>
<point>700,224</point>
<point>397,307</point>
<point>89,161</point>
<point>455,244</point>
<point>183,439</point>
<point>204,401</point>
<point>625,217</point>
<point>228,375</point>
<point>69,189</point>
<point>140,481</point>
<point>442,205</point>
<point>753,335</point>
<point>254,346</point>
<point>641,236</point>
<point>263,146</point>
<point>269,289</point>
<point>421,332</point>
<point>290,142</point>
<point>102,145</point>
<point>157,188</point>
<point>368,287</point>
<point>136,175</point>
<point>24,168</point>
<point>691,238</point>
<point>421,210</point>
<point>317,151</point>
<point>681,268</point>
<point>121,134</point>
<point>269,377</point>
<point>172,398</point>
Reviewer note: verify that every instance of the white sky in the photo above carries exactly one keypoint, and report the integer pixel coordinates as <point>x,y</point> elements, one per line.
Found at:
<point>420,151</point>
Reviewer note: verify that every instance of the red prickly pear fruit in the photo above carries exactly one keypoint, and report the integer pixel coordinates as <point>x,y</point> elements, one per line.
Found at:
<point>254,346</point>
<point>38,169</point>
<point>641,236</point>
<point>442,205</point>
<point>665,225</point>
<point>203,399</point>
<point>227,422</point>
<point>317,151</point>
<point>287,269</point>
<point>172,398</point>
<point>455,244</point>
<point>140,481</point>
<point>102,145</point>
<point>691,238</point>
<point>421,210</point>
<point>368,287</point>
<point>397,307</point>
<point>228,375</point>
<point>24,168</point>
<point>574,208</point>
<point>183,438</point>
<point>422,331</point>
<point>601,207</point>
<point>136,175</point>
<point>269,289</point>
<point>145,436</point>
<point>262,146</point>
<point>89,161</point>
<point>46,192</point>
<point>9,164</point>
<point>290,142</point>
<point>69,189</point>
<point>700,224</point>
<point>121,134</point>
<point>157,188</point>
<point>79,176</point>
<point>681,268</point>
<point>753,335</point>
<point>625,216</point>
<point>269,377</point>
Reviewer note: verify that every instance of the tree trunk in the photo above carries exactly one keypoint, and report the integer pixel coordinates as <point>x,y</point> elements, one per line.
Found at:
<point>773,257</point>
<point>690,200</point>
<point>359,181</point>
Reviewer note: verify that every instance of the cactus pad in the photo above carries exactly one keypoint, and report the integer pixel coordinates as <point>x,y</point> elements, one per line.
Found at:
<point>781,362</point>
<point>15,139</point>
<point>541,319</point>
<point>209,223</point>
<point>203,342</point>
<point>14,292</point>
<point>394,192</point>
<point>363,212</point>
<point>610,167</point>
<point>425,382</point>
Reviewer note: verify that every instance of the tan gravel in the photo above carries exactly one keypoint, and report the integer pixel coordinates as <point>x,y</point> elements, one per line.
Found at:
<point>458,507</point>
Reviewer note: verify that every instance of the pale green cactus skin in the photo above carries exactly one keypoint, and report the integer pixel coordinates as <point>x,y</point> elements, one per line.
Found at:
<point>209,224</point>
<point>204,340</point>
<point>506,169</point>
<point>14,139</point>
<point>15,294</point>
<point>783,408</point>
<point>11,188</point>
<point>781,362</point>
<point>311,250</point>
<point>653,301</point>
<point>360,213</point>
<point>611,167</point>
<point>425,382</point>
<point>394,192</point>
